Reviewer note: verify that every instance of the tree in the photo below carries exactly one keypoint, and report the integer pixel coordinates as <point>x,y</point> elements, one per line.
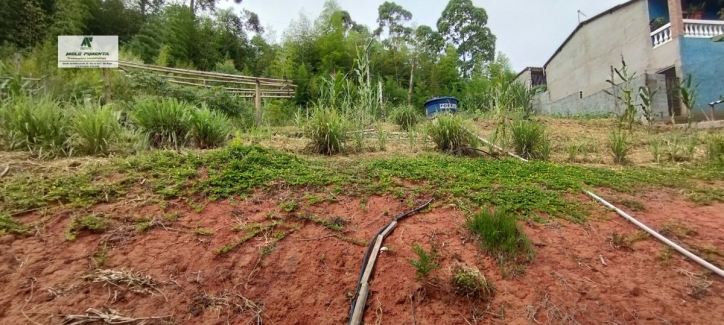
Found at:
<point>22,22</point>
<point>147,7</point>
<point>252,22</point>
<point>464,25</point>
<point>392,16</point>
<point>205,4</point>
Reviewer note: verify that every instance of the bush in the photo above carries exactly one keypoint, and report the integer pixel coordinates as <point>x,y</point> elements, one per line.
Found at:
<point>619,144</point>
<point>35,124</point>
<point>499,235</point>
<point>210,129</point>
<point>406,116</point>
<point>328,131</point>
<point>221,100</point>
<point>469,282</point>
<point>449,133</point>
<point>165,122</point>
<point>715,149</point>
<point>530,140</point>
<point>93,130</point>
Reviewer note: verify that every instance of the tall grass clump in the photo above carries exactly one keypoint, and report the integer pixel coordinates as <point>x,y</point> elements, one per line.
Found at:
<point>164,123</point>
<point>209,129</point>
<point>530,140</point>
<point>500,236</point>
<point>406,116</point>
<point>328,131</point>
<point>94,129</point>
<point>34,124</point>
<point>619,144</point>
<point>715,149</point>
<point>449,133</point>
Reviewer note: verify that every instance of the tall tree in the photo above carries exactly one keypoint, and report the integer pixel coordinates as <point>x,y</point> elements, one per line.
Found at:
<point>23,22</point>
<point>465,25</point>
<point>393,17</point>
<point>205,4</point>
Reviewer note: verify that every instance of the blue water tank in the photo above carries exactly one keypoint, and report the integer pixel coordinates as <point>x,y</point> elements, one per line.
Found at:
<point>440,105</point>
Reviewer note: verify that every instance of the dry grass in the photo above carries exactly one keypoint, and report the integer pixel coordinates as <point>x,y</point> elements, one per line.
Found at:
<point>108,316</point>
<point>699,283</point>
<point>133,281</point>
<point>589,140</point>
<point>470,282</point>
<point>229,301</point>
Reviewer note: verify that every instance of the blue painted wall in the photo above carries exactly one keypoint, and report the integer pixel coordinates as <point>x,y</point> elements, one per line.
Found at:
<point>659,8</point>
<point>704,60</point>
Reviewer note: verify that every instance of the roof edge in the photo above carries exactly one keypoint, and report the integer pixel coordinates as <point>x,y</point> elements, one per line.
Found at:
<point>584,23</point>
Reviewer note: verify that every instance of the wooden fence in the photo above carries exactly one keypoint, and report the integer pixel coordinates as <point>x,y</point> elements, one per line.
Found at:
<point>241,86</point>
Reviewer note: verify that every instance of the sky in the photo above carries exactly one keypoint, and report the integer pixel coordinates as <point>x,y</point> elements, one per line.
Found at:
<point>527,31</point>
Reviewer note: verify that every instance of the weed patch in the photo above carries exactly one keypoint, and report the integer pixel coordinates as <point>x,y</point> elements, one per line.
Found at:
<point>92,223</point>
<point>11,226</point>
<point>336,224</point>
<point>251,231</point>
<point>500,236</point>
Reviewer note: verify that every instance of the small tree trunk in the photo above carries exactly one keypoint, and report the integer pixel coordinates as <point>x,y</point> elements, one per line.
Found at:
<point>192,5</point>
<point>412,80</point>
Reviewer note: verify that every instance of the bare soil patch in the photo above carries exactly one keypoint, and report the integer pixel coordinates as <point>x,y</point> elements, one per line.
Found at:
<point>578,276</point>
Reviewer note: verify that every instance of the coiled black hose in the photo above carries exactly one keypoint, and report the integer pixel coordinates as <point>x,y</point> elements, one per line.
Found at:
<point>369,250</point>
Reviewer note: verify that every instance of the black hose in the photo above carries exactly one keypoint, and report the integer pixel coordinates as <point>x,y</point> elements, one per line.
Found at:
<point>476,149</point>
<point>369,250</point>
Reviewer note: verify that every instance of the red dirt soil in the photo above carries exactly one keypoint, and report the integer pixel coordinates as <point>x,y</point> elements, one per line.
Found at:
<point>308,278</point>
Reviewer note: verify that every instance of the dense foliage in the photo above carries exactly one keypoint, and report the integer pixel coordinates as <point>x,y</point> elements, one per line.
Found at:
<point>455,58</point>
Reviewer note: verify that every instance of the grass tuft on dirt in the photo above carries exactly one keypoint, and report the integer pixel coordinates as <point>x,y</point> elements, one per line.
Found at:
<point>499,235</point>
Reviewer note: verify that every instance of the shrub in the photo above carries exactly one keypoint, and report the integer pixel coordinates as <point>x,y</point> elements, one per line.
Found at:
<point>93,130</point>
<point>165,122</point>
<point>449,133</point>
<point>406,116</point>
<point>469,282</point>
<point>210,129</point>
<point>530,139</point>
<point>221,100</point>
<point>328,131</point>
<point>35,124</point>
<point>425,263</point>
<point>715,148</point>
<point>499,235</point>
<point>619,144</point>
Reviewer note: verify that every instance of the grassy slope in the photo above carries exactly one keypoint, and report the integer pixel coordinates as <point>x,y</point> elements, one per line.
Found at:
<point>528,189</point>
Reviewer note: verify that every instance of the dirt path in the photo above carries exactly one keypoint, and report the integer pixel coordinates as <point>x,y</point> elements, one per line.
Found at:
<point>577,277</point>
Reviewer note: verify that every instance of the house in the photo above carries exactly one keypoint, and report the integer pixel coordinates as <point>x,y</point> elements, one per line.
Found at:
<point>662,41</point>
<point>531,77</point>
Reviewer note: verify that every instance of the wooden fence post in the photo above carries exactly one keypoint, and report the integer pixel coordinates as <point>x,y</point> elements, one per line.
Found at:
<point>107,85</point>
<point>257,102</point>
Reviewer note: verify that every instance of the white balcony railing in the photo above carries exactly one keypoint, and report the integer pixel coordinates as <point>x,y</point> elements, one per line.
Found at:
<point>661,36</point>
<point>703,28</point>
<point>692,28</point>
